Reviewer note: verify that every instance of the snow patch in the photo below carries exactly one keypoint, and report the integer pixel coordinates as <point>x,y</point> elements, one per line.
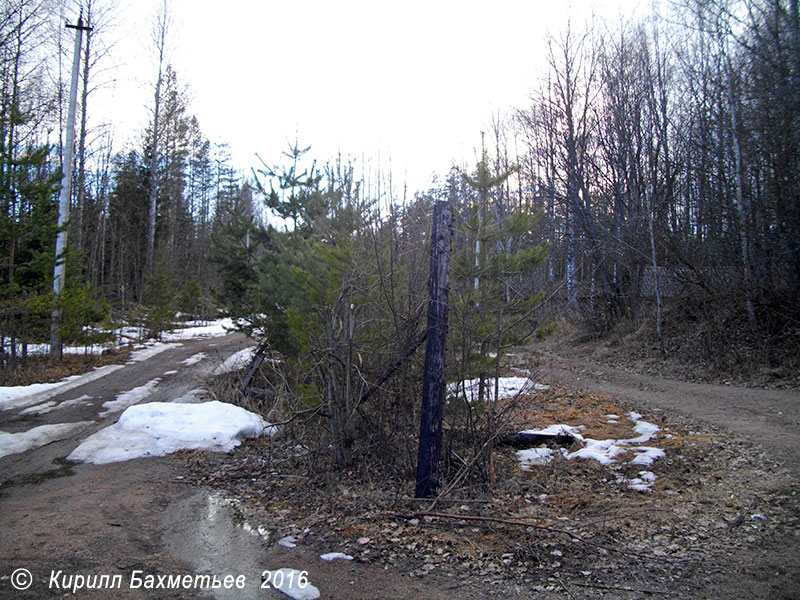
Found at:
<point>211,329</point>
<point>643,483</point>
<point>150,350</point>
<point>534,456</point>
<point>193,360</point>
<point>645,430</point>
<point>558,430</point>
<point>51,405</point>
<point>646,455</point>
<point>22,396</point>
<point>507,387</point>
<point>14,397</point>
<point>129,398</point>
<point>236,361</point>
<point>329,556</point>
<point>288,542</point>
<point>159,428</point>
<point>289,582</point>
<point>603,451</point>
<point>42,349</point>
<point>14,443</point>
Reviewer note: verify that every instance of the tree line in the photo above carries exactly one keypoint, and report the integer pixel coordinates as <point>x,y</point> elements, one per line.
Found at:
<point>141,220</point>
<point>653,178</point>
<point>657,158</point>
<point>665,154</point>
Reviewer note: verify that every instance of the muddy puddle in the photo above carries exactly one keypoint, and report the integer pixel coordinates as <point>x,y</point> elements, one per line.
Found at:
<point>64,468</point>
<point>206,532</point>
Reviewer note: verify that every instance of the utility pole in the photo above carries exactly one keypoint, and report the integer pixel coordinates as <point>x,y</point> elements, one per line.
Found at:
<point>66,184</point>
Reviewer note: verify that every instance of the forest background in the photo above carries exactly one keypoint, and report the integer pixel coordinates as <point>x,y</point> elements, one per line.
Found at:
<point>651,183</point>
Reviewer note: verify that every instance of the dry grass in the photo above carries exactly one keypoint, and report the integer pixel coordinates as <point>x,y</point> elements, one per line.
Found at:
<point>563,519</point>
<point>41,369</point>
<point>577,490</point>
<point>568,408</point>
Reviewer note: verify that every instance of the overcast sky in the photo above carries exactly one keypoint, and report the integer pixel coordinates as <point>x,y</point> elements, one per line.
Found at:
<point>412,82</point>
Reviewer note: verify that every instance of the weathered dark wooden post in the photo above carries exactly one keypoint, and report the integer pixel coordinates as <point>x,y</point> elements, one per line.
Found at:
<point>433,384</point>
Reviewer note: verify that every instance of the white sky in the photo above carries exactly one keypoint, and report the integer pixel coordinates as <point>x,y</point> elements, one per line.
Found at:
<point>410,82</point>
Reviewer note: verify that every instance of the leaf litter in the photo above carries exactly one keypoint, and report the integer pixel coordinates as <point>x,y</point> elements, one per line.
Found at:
<point>560,523</point>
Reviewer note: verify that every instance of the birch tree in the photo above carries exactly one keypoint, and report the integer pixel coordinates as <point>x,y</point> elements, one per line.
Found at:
<point>161,28</point>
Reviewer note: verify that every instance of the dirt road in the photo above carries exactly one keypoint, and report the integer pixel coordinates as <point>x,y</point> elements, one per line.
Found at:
<point>767,418</point>
<point>58,515</point>
<point>61,520</point>
<point>143,515</point>
<point>178,369</point>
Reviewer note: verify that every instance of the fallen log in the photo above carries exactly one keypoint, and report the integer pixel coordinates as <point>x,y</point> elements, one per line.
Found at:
<point>258,358</point>
<point>522,440</point>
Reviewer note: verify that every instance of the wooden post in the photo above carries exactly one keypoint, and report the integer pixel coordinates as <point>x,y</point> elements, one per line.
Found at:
<point>433,384</point>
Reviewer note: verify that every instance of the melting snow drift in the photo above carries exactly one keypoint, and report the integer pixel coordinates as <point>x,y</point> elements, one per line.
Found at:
<point>14,443</point>
<point>236,361</point>
<point>200,329</point>
<point>129,398</point>
<point>159,428</point>
<point>603,451</point>
<point>14,397</point>
<point>22,396</point>
<point>507,387</point>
